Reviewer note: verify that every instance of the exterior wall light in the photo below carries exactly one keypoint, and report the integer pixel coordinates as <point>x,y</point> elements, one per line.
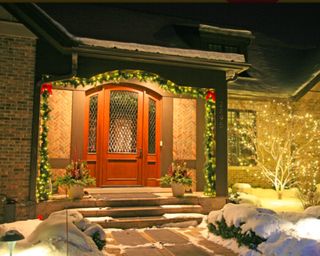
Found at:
<point>11,237</point>
<point>3,198</point>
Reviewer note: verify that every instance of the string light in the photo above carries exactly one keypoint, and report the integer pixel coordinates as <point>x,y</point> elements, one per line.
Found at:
<point>171,87</point>
<point>43,193</point>
<point>286,148</point>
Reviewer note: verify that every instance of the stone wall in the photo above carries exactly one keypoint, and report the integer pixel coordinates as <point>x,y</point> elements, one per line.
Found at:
<point>17,67</point>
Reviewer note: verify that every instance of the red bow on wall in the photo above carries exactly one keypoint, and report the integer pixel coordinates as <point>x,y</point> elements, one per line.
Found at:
<point>46,87</point>
<point>211,94</point>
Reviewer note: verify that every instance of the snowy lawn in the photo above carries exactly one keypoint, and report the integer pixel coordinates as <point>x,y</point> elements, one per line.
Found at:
<point>268,199</point>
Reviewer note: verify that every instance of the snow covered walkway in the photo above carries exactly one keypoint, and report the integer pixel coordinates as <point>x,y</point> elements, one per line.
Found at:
<point>162,242</point>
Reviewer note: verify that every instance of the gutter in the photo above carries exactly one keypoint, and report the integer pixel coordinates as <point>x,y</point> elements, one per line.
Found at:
<point>36,124</point>
<point>154,58</point>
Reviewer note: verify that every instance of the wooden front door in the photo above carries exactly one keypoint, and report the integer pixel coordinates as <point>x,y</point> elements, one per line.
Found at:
<point>122,136</point>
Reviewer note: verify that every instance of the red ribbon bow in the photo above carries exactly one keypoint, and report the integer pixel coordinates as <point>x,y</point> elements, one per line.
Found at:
<point>46,87</point>
<point>211,94</point>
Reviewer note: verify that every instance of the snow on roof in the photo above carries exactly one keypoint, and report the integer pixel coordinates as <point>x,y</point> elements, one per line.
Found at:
<point>226,31</point>
<point>277,69</point>
<point>55,23</point>
<point>163,50</point>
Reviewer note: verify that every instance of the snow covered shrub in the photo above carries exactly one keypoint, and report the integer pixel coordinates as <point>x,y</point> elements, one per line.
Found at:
<point>249,239</point>
<point>309,199</point>
<point>234,197</point>
<point>98,241</point>
<point>243,198</point>
<point>247,224</point>
<point>94,231</point>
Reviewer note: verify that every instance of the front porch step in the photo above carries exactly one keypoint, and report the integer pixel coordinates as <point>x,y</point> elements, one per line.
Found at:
<point>147,201</point>
<point>138,211</point>
<point>146,221</point>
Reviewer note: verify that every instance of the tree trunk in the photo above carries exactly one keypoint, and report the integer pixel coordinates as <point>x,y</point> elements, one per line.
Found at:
<point>279,192</point>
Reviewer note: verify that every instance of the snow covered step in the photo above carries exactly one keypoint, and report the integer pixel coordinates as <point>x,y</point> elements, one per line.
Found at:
<point>149,221</point>
<point>138,210</point>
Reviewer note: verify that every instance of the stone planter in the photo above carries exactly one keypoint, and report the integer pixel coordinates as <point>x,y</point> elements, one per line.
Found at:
<point>75,192</point>
<point>178,189</point>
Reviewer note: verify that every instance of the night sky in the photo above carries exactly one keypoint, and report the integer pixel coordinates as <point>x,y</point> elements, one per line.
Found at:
<point>292,23</point>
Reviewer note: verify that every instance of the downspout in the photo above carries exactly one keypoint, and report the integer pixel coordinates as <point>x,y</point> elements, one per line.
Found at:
<point>36,124</point>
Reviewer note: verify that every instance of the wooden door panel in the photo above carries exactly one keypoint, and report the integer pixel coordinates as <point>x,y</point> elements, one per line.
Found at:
<point>114,167</point>
<point>151,170</point>
<point>91,151</point>
<point>123,168</point>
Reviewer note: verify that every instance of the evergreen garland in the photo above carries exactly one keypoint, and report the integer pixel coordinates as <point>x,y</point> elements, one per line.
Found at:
<point>209,171</point>
<point>171,87</point>
<point>43,193</point>
<point>249,239</point>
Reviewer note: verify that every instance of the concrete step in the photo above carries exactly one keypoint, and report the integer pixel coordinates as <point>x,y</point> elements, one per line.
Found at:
<point>147,221</point>
<point>146,201</point>
<point>138,211</point>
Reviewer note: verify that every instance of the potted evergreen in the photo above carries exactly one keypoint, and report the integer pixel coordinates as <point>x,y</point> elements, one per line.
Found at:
<point>76,178</point>
<point>177,177</point>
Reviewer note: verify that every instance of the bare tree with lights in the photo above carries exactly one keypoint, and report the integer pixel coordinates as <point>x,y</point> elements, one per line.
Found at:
<point>283,138</point>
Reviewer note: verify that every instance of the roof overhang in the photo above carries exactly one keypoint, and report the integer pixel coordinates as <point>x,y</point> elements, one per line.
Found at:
<point>153,58</point>
<point>94,59</point>
<point>39,23</point>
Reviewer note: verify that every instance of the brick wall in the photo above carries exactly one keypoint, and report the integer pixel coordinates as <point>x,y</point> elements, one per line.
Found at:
<point>17,65</point>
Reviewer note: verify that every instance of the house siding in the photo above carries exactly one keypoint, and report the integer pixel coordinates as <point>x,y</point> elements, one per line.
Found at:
<point>17,65</point>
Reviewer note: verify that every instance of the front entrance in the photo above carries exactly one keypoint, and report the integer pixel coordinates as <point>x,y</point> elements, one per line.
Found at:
<point>122,135</point>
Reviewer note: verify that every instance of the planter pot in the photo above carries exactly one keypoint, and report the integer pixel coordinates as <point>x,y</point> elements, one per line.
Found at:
<point>75,192</point>
<point>178,189</point>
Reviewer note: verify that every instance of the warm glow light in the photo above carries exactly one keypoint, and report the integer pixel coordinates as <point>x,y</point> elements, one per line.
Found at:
<point>31,252</point>
<point>308,228</point>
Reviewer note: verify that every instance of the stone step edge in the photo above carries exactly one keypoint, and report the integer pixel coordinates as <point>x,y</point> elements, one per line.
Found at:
<point>137,208</point>
<point>141,222</point>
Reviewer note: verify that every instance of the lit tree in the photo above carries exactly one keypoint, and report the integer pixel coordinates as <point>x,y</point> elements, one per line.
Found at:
<point>283,139</point>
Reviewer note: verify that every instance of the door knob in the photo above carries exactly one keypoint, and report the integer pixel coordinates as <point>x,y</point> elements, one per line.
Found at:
<point>140,155</point>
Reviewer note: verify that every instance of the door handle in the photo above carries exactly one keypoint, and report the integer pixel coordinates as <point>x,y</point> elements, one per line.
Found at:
<point>140,154</point>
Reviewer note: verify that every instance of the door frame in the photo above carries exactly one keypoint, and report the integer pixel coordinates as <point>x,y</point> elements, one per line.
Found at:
<point>95,161</point>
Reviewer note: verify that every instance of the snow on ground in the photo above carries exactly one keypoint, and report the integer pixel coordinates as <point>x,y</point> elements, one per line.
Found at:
<point>269,199</point>
<point>48,237</point>
<point>287,233</point>
<point>288,229</point>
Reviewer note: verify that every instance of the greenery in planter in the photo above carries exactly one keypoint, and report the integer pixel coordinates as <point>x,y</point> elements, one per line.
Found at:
<point>250,239</point>
<point>177,174</point>
<point>76,174</point>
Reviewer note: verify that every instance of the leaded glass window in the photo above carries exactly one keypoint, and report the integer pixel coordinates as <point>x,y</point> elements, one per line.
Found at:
<point>93,118</point>
<point>123,122</point>
<point>152,127</point>
<point>239,153</point>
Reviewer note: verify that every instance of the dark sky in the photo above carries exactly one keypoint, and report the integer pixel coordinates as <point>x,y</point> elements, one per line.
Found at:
<point>296,23</point>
